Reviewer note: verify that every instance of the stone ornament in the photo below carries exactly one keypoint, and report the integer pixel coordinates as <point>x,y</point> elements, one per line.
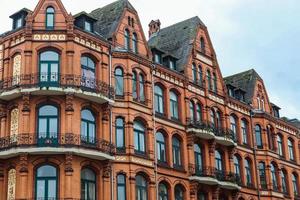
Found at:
<point>11,189</point>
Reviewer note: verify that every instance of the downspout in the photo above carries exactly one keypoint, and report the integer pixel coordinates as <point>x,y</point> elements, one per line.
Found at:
<point>110,123</point>
<point>254,153</point>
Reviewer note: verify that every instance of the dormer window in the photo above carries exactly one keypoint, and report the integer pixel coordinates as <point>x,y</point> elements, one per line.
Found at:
<point>88,26</point>
<point>172,65</point>
<point>50,18</point>
<point>231,92</point>
<point>157,58</point>
<point>19,22</point>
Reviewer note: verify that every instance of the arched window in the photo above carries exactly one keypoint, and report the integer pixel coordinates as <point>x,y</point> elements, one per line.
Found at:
<point>127,40</point>
<point>141,188</point>
<point>134,85</point>
<point>237,168</point>
<point>194,73</point>
<point>161,147</point>
<point>202,45</point>
<point>280,145</point>
<point>262,175</point>
<point>248,172</point>
<point>134,43</point>
<point>159,99</point>
<point>244,129</point>
<point>138,88</point>
<point>139,138</point>
<point>192,110</point>
<point>200,74</point>
<point>233,126</point>
<point>46,182</point>
<point>119,81</point>
<point>176,144</point>
<point>174,105</point>
<point>141,86</point>
<point>49,68</point>
<point>208,77</point>
<point>50,18</point>
<point>121,187</point>
<point>88,127</point>
<point>17,62</point>
<point>162,191</point>
<point>218,161</point>
<point>295,184</point>
<point>283,181</point>
<point>198,159</point>
<point>270,138</point>
<point>178,192</point>
<point>214,83</point>
<point>258,137</point>
<point>88,78</point>
<point>274,177</point>
<point>215,118</point>
<point>198,112</point>
<point>291,149</point>
<point>88,184</point>
<point>218,120</point>
<point>212,118</point>
<point>48,125</point>
<point>120,134</point>
<point>11,184</point>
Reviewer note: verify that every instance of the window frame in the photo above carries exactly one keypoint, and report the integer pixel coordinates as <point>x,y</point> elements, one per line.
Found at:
<point>119,79</point>
<point>176,152</point>
<point>120,128</point>
<point>121,185</point>
<point>174,106</point>
<point>161,148</point>
<point>159,99</point>
<point>52,14</point>
<point>46,180</point>
<point>138,133</point>
<point>86,138</point>
<point>88,182</point>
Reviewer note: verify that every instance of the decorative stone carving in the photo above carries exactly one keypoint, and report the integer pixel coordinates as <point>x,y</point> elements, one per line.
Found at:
<point>106,170</point>
<point>106,111</point>
<point>14,122</point>
<point>24,163</point>
<point>17,61</point>
<point>68,162</point>
<point>212,146</point>
<point>26,102</point>
<point>69,102</point>
<point>11,185</point>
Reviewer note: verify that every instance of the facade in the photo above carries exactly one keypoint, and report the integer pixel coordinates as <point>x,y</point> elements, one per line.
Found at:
<point>92,110</point>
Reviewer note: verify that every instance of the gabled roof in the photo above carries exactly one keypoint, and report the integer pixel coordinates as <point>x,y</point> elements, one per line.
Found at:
<point>177,39</point>
<point>108,17</point>
<point>245,80</point>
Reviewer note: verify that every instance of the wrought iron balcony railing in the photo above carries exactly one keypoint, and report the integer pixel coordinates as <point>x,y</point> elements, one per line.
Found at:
<point>58,80</point>
<point>67,140</point>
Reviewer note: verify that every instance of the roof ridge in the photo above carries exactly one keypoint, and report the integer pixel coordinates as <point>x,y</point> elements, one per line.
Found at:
<point>183,21</point>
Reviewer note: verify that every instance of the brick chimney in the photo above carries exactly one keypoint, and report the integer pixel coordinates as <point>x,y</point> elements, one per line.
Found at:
<point>154,27</point>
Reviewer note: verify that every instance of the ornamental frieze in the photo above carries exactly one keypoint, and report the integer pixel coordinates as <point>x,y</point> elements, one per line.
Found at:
<point>169,78</point>
<point>196,90</point>
<point>239,109</point>
<point>49,37</point>
<point>88,44</point>
<point>17,41</point>
<point>285,129</point>
<point>216,99</point>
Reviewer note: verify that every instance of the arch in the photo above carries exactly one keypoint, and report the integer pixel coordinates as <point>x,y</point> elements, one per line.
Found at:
<point>163,190</point>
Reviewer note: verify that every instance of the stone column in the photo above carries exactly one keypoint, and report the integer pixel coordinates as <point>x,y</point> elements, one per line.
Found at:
<point>216,193</point>
<point>68,176</point>
<point>193,191</point>
<point>212,147</point>
<point>106,180</point>
<point>3,118</point>
<point>190,151</point>
<point>105,122</point>
<point>131,187</point>
<point>22,188</point>
<point>25,113</point>
<point>69,113</point>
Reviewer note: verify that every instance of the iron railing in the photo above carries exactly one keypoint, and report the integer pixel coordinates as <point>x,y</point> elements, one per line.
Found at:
<point>58,80</point>
<point>67,140</point>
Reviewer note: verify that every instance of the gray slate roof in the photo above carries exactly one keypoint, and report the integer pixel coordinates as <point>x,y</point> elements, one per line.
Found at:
<point>245,80</point>
<point>177,40</point>
<point>108,17</point>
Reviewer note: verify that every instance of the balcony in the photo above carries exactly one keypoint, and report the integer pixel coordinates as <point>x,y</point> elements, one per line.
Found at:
<point>52,144</point>
<point>206,130</point>
<point>56,84</point>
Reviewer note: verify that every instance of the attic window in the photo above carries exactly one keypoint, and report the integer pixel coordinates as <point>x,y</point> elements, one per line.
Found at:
<point>88,26</point>
<point>19,22</point>
<point>50,18</point>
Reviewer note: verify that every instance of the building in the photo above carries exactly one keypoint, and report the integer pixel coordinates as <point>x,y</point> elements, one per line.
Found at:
<point>92,110</point>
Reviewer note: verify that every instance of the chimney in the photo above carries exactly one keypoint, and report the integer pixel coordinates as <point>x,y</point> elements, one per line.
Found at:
<point>154,27</point>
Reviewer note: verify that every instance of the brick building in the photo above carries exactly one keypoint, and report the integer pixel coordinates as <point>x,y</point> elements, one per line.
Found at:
<point>92,110</point>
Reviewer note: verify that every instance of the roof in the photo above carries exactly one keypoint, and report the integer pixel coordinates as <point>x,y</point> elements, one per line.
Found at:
<point>108,17</point>
<point>83,13</point>
<point>246,81</point>
<point>177,39</point>
<point>24,10</point>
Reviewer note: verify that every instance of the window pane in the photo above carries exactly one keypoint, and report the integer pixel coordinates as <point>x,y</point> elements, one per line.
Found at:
<point>48,111</point>
<point>46,171</point>
<point>53,127</point>
<point>42,127</point>
<point>52,189</point>
<point>49,56</point>
<point>40,189</point>
<point>50,20</point>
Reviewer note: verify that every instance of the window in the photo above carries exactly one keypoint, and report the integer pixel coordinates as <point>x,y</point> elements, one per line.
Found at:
<point>199,112</point>
<point>192,110</point>
<point>274,177</point>
<point>248,173</point>
<point>121,187</point>
<point>176,152</point>
<point>201,196</point>
<point>88,185</point>
<point>48,125</point>
<point>198,158</point>
<point>50,18</point>
<point>127,40</point>
<point>159,99</point>
<point>172,64</point>
<point>88,78</point>
<point>141,188</point>
<point>194,73</point>
<point>138,87</point>
<point>161,147</point>
<point>208,77</point>
<point>237,168</point>
<point>279,145</point>
<point>19,22</point>
<point>283,181</point>
<point>157,58</point>
<point>178,192</point>
<point>214,83</point>
<point>134,85</point>
<point>49,68</point>
<point>174,105</point>
<point>119,81</point>
<point>215,119</point>
<point>162,192</point>
<point>244,129</point>
<point>46,182</point>
<point>88,26</point>
<point>262,175</point>
<point>233,126</point>
<point>142,91</point>
<point>88,127</point>
<point>295,184</point>
<point>202,45</point>
<point>218,161</point>
<point>270,138</point>
<point>120,134</point>
<point>139,137</point>
<point>291,149</point>
<point>134,43</point>
<point>258,137</point>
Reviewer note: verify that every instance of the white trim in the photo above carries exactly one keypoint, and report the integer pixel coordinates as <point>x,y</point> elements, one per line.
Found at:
<point>213,181</point>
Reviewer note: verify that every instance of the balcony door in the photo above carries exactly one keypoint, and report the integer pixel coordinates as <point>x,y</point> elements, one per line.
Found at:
<point>48,126</point>
<point>49,68</point>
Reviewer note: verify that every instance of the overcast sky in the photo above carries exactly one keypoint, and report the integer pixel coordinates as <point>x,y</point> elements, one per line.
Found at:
<point>259,34</point>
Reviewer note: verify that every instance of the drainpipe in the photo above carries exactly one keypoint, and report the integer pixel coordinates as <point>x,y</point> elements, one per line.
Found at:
<point>110,123</point>
<point>254,153</point>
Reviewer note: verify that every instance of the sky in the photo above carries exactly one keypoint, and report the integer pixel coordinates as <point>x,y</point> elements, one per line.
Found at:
<point>259,34</point>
